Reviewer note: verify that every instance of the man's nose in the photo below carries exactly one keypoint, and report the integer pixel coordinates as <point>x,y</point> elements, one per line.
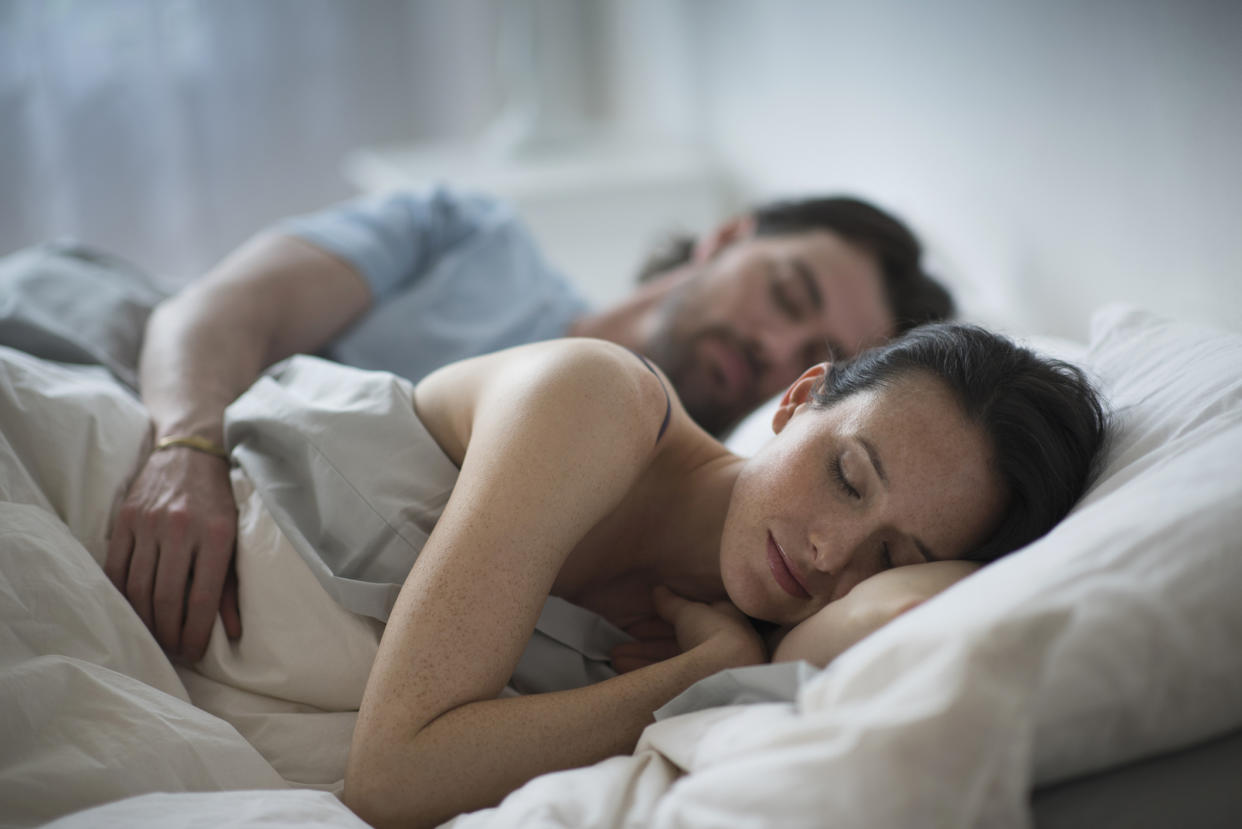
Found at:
<point>783,354</point>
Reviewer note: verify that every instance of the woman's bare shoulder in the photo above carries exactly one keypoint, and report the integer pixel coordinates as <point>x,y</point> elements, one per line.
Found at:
<point>594,383</point>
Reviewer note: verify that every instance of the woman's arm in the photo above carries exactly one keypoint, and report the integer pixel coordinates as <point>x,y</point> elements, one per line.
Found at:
<point>873,603</point>
<point>473,755</point>
<point>556,436</point>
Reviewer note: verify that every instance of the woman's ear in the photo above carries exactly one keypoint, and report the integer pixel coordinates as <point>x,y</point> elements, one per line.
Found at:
<point>725,234</point>
<point>797,394</point>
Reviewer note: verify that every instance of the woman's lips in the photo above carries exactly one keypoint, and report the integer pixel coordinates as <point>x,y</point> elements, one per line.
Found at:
<point>783,572</point>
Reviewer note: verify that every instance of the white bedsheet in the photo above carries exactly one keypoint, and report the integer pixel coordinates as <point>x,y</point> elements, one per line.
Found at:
<point>1111,639</point>
<point>90,708</point>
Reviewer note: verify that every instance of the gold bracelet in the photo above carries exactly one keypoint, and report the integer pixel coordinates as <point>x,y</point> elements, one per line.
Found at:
<point>199,444</point>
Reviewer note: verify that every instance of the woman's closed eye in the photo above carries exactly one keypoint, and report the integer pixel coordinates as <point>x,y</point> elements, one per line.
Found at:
<point>838,472</point>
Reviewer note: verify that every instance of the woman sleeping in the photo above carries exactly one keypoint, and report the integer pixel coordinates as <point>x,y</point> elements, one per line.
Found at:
<point>578,475</point>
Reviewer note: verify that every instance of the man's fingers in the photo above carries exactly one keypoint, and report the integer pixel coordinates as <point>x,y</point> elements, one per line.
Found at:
<point>230,610</point>
<point>168,600</point>
<point>140,580</point>
<point>210,568</point>
<point>120,548</point>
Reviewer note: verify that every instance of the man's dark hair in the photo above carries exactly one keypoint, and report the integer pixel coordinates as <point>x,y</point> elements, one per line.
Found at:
<point>913,296</point>
<point>1042,416</point>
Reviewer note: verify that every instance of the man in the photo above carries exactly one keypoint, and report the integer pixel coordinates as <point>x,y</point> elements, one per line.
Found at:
<point>410,281</point>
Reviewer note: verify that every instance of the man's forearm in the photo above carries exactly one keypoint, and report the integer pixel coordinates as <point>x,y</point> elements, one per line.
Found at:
<point>472,756</point>
<point>275,296</point>
<point>171,545</point>
<point>194,363</point>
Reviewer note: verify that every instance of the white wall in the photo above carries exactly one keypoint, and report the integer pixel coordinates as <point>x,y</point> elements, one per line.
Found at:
<point>169,132</point>
<point>1056,155</point>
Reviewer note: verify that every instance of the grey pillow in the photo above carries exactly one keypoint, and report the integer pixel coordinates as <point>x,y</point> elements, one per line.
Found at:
<point>66,302</point>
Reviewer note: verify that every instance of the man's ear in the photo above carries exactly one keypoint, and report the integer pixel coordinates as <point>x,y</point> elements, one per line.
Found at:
<point>797,394</point>
<point>725,234</point>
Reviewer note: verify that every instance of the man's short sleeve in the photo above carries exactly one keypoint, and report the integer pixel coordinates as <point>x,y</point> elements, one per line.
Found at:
<point>392,239</point>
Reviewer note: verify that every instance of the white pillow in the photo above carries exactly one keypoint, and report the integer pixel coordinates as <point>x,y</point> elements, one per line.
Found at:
<point>1152,662</point>
<point>749,436</point>
<point>1144,573</point>
<point>1112,638</point>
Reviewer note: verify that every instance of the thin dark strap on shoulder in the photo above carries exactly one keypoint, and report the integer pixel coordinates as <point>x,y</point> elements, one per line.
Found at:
<point>668,404</point>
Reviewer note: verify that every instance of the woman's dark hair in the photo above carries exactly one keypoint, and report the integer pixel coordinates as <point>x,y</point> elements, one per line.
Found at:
<point>1044,419</point>
<point>912,295</point>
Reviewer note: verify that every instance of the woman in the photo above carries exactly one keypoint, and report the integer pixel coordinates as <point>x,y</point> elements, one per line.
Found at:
<point>582,477</point>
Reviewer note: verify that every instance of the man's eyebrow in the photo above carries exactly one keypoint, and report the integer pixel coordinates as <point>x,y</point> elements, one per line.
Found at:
<point>812,286</point>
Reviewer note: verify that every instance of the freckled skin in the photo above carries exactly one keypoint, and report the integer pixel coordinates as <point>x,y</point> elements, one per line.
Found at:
<point>564,489</point>
<point>942,490</point>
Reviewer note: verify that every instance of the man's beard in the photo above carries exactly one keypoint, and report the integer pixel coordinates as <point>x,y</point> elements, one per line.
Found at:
<point>674,348</point>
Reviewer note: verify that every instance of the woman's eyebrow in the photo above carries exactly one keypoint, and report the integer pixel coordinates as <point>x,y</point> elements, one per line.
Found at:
<point>874,457</point>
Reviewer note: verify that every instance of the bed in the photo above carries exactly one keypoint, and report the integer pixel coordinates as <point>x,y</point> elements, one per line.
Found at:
<point>1094,678</point>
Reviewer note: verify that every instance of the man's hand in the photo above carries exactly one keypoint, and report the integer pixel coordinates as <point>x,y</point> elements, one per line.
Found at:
<point>171,548</point>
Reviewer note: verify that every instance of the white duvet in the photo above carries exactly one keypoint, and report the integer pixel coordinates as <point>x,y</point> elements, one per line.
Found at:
<point>1112,638</point>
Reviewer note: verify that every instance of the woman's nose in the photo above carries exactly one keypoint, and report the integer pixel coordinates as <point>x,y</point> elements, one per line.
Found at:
<point>831,554</point>
<point>836,560</point>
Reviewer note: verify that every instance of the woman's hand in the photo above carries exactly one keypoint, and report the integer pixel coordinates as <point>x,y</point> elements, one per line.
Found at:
<point>655,641</point>
<point>718,625</point>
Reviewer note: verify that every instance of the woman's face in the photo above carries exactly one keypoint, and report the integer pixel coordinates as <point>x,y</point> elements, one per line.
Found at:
<point>887,477</point>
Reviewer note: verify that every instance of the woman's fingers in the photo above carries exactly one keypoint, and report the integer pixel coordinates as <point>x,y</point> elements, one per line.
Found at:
<point>668,604</point>
<point>633,655</point>
<point>651,628</point>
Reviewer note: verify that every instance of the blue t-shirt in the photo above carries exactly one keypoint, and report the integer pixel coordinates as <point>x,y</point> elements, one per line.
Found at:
<point>452,275</point>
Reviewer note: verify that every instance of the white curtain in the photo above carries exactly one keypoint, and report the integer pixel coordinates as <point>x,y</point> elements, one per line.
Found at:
<point>169,130</point>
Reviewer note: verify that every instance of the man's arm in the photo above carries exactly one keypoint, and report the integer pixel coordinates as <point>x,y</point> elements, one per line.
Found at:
<point>172,543</point>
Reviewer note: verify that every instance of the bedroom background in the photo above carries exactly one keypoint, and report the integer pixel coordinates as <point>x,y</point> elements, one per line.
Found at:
<point>1054,156</point>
